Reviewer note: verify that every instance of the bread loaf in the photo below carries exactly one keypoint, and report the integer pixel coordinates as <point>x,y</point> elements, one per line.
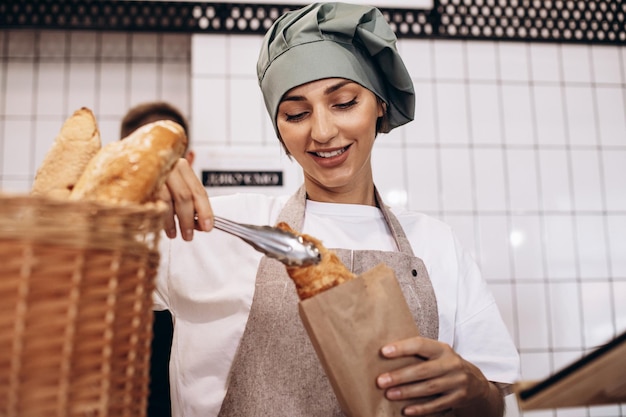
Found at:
<point>74,146</point>
<point>131,170</point>
<point>313,279</point>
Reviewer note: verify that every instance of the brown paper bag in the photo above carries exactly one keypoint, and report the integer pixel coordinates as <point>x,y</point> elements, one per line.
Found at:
<point>348,325</point>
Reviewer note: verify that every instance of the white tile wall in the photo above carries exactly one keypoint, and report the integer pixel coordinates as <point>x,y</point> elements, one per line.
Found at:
<point>520,147</point>
<point>46,76</point>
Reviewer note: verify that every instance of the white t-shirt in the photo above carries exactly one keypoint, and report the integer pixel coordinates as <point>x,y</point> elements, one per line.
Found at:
<point>208,285</point>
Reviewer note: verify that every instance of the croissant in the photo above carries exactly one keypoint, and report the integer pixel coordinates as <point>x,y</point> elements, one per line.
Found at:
<point>313,279</point>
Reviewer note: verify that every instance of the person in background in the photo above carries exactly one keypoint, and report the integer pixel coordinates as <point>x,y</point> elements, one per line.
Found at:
<point>332,81</point>
<point>159,402</point>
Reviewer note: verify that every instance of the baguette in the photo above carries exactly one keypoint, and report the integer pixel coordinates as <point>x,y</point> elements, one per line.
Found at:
<point>74,146</point>
<point>132,170</point>
<point>313,279</point>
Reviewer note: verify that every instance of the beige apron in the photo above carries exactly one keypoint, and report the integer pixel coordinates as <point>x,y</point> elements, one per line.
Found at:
<point>276,371</point>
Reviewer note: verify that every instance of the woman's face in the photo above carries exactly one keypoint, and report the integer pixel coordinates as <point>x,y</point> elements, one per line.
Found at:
<point>329,127</point>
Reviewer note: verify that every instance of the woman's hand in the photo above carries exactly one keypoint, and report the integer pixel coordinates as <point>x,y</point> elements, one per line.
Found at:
<point>450,381</point>
<point>187,200</point>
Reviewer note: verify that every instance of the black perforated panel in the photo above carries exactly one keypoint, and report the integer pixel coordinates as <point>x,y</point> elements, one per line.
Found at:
<point>591,21</point>
<point>583,20</point>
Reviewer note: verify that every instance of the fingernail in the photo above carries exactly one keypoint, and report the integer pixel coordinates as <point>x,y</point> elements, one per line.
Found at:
<point>393,394</point>
<point>171,233</point>
<point>208,224</point>
<point>410,411</point>
<point>388,350</point>
<point>188,234</point>
<point>384,380</point>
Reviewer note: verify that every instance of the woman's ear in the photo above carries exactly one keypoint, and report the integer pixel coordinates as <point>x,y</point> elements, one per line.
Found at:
<point>382,121</point>
<point>382,107</point>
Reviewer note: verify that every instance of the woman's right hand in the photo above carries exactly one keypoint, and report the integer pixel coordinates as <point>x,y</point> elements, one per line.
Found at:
<point>187,200</point>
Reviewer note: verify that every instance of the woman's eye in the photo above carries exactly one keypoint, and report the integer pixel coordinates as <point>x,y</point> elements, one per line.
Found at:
<point>347,104</point>
<point>294,117</point>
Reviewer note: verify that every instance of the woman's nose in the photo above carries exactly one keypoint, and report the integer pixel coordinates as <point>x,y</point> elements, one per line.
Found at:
<point>323,128</point>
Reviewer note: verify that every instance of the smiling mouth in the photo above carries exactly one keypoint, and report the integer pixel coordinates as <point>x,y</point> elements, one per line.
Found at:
<point>331,153</point>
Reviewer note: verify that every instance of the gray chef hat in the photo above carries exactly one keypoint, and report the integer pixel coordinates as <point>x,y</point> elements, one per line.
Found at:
<point>328,40</point>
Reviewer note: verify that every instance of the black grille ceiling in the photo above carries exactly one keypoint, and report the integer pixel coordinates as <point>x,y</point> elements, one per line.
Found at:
<point>582,21</point>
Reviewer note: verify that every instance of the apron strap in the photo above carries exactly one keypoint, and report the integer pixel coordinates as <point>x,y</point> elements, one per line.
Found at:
<point>297,204</point>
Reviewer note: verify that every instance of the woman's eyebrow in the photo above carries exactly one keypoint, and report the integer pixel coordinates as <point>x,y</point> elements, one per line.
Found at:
<point>292,98</point>
<point>327,91</point>
<point>337,86</point>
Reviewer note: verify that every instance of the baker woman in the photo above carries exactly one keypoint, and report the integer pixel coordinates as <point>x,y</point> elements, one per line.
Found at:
<point>332,80</point>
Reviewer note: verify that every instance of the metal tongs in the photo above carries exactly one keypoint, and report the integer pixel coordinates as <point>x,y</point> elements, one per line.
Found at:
<point>276,243</point>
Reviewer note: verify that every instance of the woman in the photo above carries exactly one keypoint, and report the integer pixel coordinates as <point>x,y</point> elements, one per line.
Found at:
<point>332,80</point>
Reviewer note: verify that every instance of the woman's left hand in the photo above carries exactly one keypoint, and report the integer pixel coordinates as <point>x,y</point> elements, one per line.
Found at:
<point>447,378</point>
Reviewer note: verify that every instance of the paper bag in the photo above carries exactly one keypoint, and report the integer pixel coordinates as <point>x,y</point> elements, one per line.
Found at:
<point>348,325</point>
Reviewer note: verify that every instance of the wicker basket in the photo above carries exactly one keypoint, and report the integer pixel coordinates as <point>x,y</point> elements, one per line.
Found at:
<point>75,307</point>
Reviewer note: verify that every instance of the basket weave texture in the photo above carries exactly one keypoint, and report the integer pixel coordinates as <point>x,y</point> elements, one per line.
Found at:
<point>76,282</point>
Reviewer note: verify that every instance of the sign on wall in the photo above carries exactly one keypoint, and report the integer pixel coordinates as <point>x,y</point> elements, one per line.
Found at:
<point>238,178</point>
<point>228,170</point>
